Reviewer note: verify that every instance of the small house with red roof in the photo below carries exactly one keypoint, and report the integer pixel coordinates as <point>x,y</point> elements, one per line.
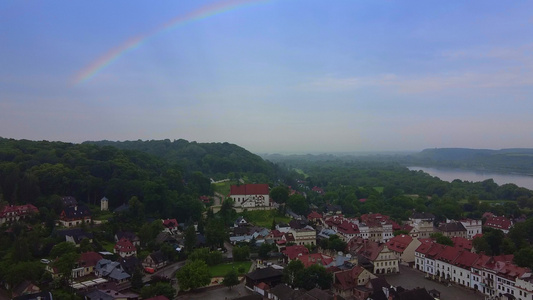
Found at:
<point>250,195</point>
<point>500,223</point>
<point>125,248</point>
<point>170,226</point>
<point>315,217</point>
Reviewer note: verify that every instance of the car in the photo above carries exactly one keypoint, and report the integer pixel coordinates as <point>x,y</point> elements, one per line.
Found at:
<point>45,261</point>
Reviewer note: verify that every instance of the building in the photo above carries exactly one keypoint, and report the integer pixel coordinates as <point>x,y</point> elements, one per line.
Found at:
<point>404,246</point>
<point>268,275</point>
<point>75,215</point>
<point>125,248</point>
<point>250,195</point>
<point>104,204</point>
<point>473,227</point>
<point>381,258</point>
<point>346,282</point>
<point>500,223</point>
<point>452,229</point>
<point>13,213</point>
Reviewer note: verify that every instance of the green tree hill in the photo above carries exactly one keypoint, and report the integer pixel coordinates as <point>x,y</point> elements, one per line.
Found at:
<point>193,275</point>
<point>231,279</point>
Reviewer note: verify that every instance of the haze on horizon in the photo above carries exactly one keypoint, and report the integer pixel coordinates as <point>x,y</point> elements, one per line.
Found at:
<point>272,76</point>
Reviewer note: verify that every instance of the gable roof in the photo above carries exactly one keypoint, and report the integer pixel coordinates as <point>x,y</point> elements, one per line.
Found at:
<point>124,245</point>
<point>293,252</point>
<point>89,259</point>
<point>315,259</point>
<point>264,273</point>
<point>75,212</point>
<point>499,223</point>
<point>399,242</point>
<point>249,189</point>
<point>451,227</point>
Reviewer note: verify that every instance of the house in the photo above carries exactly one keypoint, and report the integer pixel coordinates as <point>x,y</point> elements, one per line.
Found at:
<point>315,217</point>
<point>171,226</point>
<point>380,256</point>
<point>86,264</point>
<point>13,213</point>
<point>75,215</point>
<point>240,222</point>
<point>281,292</point>
<point>304,236</point>
<point>268,275</point>
<point>69,201</point>
<point>404,246</point>
<point>130,236</point>
<point>125,248</point>
<point>155,260</point>
<point>452,229</point>
<point>75,235</point>
<point>346,282</point>
<point>111,270</point>
<point>250,195</point>
<point>500,223</point>
<point>316,259</point>
<point>25,288</point>
<point>473,227</point>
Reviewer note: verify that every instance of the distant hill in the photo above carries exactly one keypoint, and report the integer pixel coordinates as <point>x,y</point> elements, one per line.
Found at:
<point>515,160</point>
<point>213,159</point>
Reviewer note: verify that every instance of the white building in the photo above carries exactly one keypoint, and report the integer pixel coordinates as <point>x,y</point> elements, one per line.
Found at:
<point>250,195</point>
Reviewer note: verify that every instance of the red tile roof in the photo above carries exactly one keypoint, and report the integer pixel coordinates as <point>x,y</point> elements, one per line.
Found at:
<point>249,189</point>
<point>292,252</point>
<point>348,279</point>
<point>170,223</point>
<point>316,258</point>
<point>466,259</point>
<point>18,210</point>
<point>501,223</point>
<point>314,215</point>
<point>399,243</point>
<point>89,259</point>
<point>124,245</point>
<point>448,254</point>
<point>460,242</point>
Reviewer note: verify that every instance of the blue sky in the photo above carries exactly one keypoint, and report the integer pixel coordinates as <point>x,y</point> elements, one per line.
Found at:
<point>272,76</point>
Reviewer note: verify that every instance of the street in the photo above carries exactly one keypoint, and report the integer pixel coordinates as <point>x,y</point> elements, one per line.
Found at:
<point>410,278</point>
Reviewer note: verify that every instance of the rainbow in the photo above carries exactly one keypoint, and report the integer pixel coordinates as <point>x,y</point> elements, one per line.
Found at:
<point>108,58</point>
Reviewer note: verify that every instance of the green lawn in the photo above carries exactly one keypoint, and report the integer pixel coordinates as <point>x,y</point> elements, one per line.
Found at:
<point>222,269</point>
<point>264,218</point>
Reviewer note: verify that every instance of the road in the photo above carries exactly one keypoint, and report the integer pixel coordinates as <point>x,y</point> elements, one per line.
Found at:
<point>410,278</point>
<point>220,293</point>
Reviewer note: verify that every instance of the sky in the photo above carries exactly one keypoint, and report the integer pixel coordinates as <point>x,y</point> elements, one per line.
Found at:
<point>271,76</point>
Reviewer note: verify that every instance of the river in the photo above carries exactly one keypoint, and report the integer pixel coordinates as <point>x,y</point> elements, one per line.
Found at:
<point>475,176</point>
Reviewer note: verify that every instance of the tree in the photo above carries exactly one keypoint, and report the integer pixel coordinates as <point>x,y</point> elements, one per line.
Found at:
<point>291,273</point>
<point>137,279</point>
<point>280,194</point>
<point>298,204</point>
<point>193,275</point>
<point>241,253</point>
<point>524,257</point>
<point>216,233</point>
<point>264,250</point>
<point>231,279</point>
<point>316,276</point>
<point>441,239</point>
<point>204,254</point>
<point>336,243</point>
<point>160,288</point>
<point>190,239</point>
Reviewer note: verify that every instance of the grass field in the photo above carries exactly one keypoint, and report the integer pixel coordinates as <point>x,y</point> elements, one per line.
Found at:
<point>264,218</point>
<point>222,269</point>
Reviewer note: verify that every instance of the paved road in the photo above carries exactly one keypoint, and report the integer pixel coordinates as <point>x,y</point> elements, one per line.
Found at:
<point>410,278</point>
<point>221,293</point>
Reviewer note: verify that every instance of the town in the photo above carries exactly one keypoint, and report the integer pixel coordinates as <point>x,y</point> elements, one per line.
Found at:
<point>321,255</point>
